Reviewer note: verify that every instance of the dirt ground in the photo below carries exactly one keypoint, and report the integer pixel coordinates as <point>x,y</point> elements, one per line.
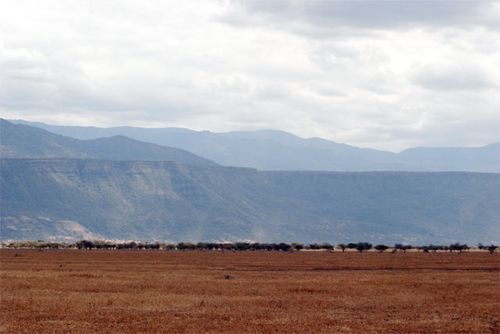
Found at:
<point>77,291</point>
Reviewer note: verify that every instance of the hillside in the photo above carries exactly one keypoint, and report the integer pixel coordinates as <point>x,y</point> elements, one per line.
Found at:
<point>169,201</point>
<point>278,150</point>
<point>22,141</point>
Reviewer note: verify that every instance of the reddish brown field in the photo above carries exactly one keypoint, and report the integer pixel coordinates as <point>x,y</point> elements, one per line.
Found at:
<point>70,291</point>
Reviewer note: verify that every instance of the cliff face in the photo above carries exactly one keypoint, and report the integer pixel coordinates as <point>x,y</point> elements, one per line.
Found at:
<point>71,198</point>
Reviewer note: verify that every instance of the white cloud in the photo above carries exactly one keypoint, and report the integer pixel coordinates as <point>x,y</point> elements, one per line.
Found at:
<point>377,74</point>
<point>459,78</point>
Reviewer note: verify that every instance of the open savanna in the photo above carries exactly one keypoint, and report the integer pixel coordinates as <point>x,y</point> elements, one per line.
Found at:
<point>79,291</point>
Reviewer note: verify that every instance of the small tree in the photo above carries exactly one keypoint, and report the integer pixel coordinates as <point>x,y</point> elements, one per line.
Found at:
<point>242,246</point>
<point>327,246</point>
<point>185,246</point>
<point>226,246</point>
<point>363,246</point>
<point>155,245</point>
<point>425,249</point>
<point>169,247</point>
<point>351,245</point>
<point>406,247</point>
<point>284,247</point>
<point>458,247</point>
<point>381,248</point>
<point>131,245</point>
<point>84,244</point>
<point>402,247</point>
<point>492,248</point>
<point>342,246</point>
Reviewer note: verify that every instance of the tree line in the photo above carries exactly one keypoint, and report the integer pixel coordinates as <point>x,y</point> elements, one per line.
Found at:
<point>243,246</point>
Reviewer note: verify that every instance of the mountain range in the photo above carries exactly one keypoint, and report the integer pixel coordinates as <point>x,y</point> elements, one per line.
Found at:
<point>22,141</point>
<point>278,150</point>
<point>58,188</point>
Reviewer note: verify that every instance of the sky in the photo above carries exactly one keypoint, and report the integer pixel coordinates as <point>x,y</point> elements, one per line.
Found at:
<point>379,74</point>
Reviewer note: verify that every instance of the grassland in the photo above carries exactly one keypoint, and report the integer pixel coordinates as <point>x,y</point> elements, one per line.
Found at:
<point>81,291</point>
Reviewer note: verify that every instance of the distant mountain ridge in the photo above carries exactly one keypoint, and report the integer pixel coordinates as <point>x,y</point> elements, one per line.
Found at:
<point>159,200</point>
<point>278,150</point>
<point>23,141</point>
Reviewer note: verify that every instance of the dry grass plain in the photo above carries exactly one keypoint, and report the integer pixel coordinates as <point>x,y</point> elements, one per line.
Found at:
<point>71,291</point>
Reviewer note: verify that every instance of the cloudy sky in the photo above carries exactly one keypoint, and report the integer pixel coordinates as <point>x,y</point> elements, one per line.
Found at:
<point>380,74</point>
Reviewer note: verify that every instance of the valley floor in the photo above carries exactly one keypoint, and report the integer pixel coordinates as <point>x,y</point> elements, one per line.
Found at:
<point>80,291</point>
